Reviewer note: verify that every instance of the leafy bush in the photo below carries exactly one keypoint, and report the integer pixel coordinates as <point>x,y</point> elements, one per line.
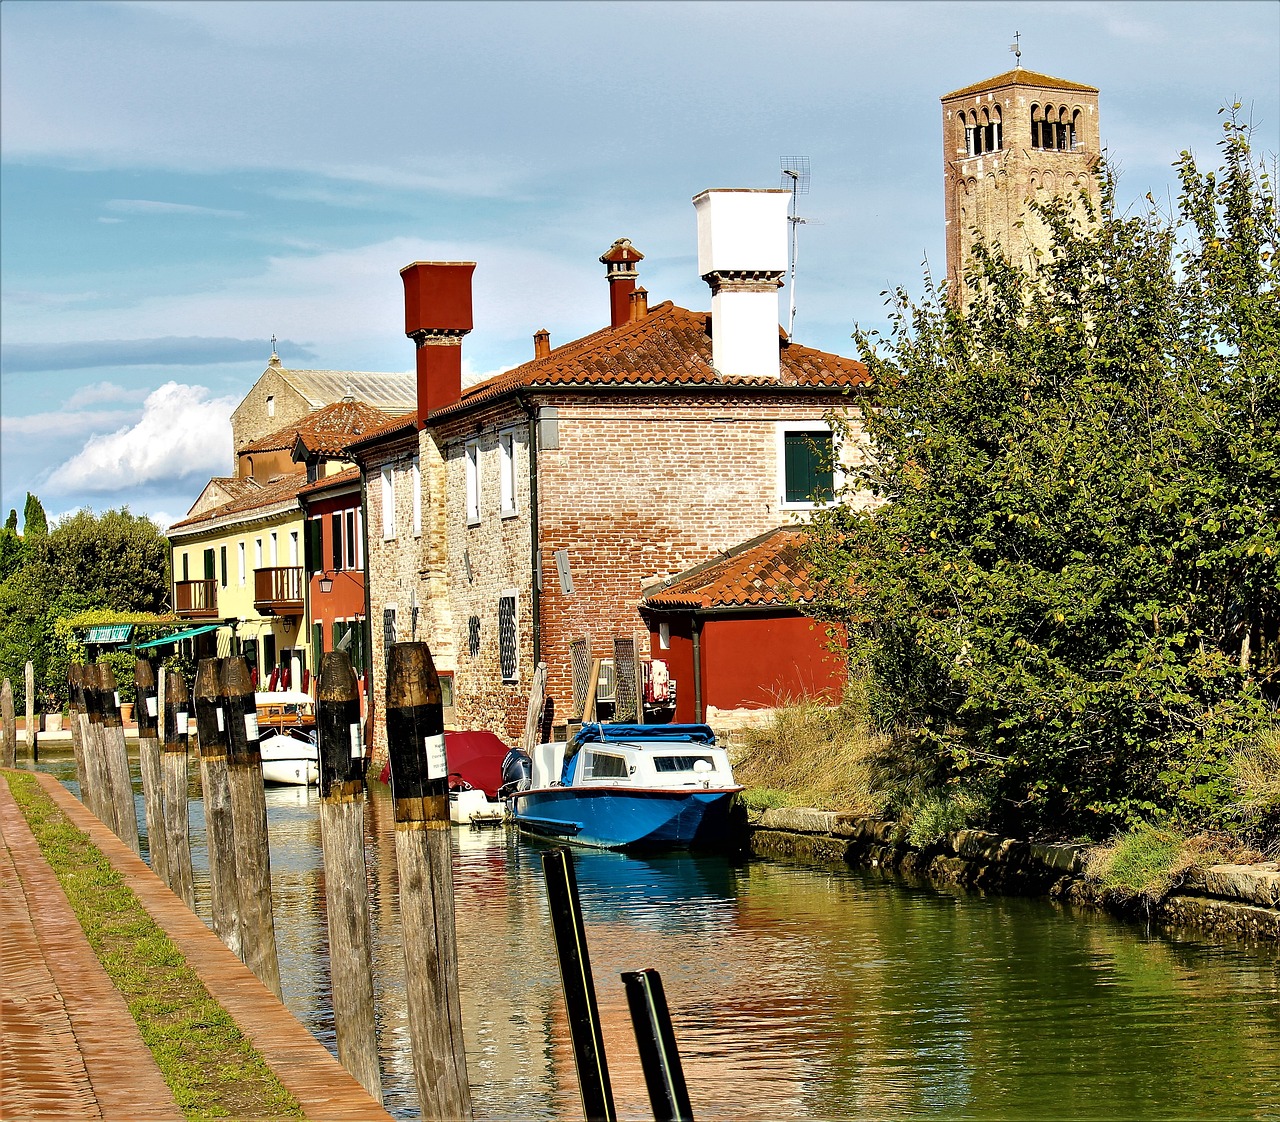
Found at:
<point>1255,777</point>
<point>934,816</point>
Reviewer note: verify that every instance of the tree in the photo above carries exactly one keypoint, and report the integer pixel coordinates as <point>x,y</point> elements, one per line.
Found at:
<point>1067,603</point>
<point>34,522</point>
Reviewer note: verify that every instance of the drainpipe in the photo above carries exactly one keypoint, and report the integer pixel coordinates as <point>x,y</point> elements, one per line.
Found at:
<point>696,630</point>
<point>535,596</point>
<point>366,640</point>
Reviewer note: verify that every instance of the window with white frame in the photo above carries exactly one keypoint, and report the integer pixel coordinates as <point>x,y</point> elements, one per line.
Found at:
<point>416,471</point>
<point>471,460</point>
<point>388,504</point>
<point>257,553</point>
<point>508,638</point>
<point>507,472</point>
<point>352,539</point>
<point>293,548</point>
<point>275,549</point>
<point>243,573</point>
<point>808,469</point>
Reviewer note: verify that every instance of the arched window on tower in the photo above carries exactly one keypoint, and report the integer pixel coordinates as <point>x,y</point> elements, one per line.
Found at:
<point>1060,134</point>
<point>970,139</point>
<point>1075,130</point>
<point>998,131</point>
<point>1036,123</point>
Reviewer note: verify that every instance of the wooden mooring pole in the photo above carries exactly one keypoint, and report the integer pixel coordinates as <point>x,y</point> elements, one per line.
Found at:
<point>176,777</point>
<point>656,1042</point>
<point>249,817</point>
<point>75,707</point>
<point>419,787</point>
<point>116,752</point>
<point>219,830</point>
<point>147,709</point>
<point>579,989</point>
<point>33,744</point>
<point>342,806</point>
<point>8,727</point>
<point>96,792</point>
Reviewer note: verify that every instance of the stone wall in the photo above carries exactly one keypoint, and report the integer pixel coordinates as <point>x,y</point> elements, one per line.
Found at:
<point>1236,900</point>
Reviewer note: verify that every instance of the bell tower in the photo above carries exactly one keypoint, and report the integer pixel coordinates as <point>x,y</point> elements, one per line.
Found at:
<point>1017,137</point>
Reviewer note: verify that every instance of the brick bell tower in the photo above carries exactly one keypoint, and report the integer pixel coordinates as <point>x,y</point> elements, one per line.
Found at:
<point>1017,137</point>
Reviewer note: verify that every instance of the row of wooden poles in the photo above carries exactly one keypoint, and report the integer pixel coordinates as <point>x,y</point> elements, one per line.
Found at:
<point>227,745</point>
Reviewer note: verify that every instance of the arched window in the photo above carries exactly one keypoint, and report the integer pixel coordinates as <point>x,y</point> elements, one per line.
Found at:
<point>970,134</point>
<point>998,131</point>
<point>1036,124</point>
<point>1075,129</point>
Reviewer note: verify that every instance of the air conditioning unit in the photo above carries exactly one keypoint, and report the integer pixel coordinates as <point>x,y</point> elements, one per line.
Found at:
<point>606,683</point>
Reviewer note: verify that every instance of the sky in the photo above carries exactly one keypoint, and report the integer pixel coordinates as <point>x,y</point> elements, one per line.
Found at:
<point>180,182</point>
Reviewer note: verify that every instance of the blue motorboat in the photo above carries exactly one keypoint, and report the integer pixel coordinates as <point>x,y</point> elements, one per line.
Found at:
<point>625,786</point>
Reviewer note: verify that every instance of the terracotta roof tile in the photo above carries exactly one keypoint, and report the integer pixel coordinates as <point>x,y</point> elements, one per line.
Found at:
<point>671,346</point>
<point>764,572</point>
<point>276,490</point>
<point>389,430</point>
<point>327,430</point>
<point>338,479</point>
<point>1019,77</point>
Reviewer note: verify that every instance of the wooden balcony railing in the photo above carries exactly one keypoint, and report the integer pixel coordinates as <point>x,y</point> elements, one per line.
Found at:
<point>195,599</point>
<point>278,591</point>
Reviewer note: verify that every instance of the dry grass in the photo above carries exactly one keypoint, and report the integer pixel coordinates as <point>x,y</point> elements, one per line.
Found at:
<point>1149,862</point>
<point>819,755</point>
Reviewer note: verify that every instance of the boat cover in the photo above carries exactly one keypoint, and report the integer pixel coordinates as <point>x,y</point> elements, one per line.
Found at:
<point>604,734</point>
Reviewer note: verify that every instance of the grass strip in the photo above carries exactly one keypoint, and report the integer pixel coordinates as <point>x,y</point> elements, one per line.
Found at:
<point>212,1069</point>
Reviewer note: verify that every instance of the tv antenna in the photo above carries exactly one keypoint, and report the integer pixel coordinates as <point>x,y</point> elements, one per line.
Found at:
<point>795,177</point>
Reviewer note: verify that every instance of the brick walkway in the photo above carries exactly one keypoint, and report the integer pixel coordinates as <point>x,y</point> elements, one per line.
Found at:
<point>68,1045</point>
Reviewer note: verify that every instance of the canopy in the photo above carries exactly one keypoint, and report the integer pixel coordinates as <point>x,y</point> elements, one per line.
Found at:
<point>166,640</point>
<point>109,633</point>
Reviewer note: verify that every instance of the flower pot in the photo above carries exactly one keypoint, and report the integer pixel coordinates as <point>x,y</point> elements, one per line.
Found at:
<point>126,712</point>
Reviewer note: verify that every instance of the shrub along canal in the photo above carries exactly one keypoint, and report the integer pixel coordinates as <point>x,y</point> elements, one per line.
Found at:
<point>798,991</point>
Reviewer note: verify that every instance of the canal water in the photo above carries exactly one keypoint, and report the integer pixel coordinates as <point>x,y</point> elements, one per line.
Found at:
<point>797,991</point>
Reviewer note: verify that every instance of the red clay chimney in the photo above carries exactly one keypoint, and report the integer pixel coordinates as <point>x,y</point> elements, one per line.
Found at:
<point>437,314</point>
<point>620,267</point>
<point>541,343</point>
<point>639,304</point>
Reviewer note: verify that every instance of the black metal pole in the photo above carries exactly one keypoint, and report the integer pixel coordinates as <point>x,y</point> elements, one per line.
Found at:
<point>579,990</point>
<point>656,1040</point>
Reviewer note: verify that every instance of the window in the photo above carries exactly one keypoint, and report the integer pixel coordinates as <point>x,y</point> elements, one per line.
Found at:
<point>416,513</point>
<point>507,646</point>
<point>271,405</point>
<point>353,540</point>
<point>257,553</point>
<point>388,631</point>
<point>208,564</point>
<point>471,458</point>
<point>681,763</point>
<point>186,575</point>
<point>275,549</point>
<point>507,472</point>
<point>314,550</point>
<point>335,543</point>
<point>605,765</point>
<point>240,552</point>
<point>388,505</point>
<point>807,465</point>
<point>293,548</point>
<point>222,565</point>
<point>664,636</point>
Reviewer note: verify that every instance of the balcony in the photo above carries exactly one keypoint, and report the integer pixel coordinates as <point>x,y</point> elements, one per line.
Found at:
<point>195,599</point>
<point>278,591</point>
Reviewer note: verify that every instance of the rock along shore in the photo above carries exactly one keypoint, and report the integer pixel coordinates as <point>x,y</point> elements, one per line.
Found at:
<point>1233,900</point>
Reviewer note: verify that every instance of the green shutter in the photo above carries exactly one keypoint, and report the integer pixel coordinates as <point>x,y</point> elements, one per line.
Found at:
<point>807,463</point>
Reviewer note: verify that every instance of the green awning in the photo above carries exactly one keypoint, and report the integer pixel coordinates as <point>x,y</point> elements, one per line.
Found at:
<point>109,633</point>
<point>167,640</point>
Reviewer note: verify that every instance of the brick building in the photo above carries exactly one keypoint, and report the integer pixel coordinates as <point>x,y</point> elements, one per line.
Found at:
<point>552,495</point>
<point>1009,140</point>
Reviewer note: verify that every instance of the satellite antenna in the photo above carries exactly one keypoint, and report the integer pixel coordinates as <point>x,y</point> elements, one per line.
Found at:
<point>795,177</point>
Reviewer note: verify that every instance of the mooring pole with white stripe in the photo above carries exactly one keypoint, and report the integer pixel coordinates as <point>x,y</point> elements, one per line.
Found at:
<point>147,709</point>
<point>116,752</point>
<point>419,787</point>
<point>219,828</point>
<point>176,775</point>
<point>342,805</point>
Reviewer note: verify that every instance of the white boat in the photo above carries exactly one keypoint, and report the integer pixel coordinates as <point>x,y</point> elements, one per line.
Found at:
<point>290,758</point>
<point>469,806</point>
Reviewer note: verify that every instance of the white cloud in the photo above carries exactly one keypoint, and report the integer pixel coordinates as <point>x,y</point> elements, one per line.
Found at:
<point>68,423</point>
<point>182,433</point>
<point>103,391</point>
<point>151,206</point>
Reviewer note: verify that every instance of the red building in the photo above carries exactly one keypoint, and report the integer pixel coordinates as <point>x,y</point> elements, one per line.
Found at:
<point>733,634</point>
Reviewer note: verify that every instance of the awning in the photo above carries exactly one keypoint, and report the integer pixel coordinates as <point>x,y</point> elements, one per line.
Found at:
<point>166,640</point>
<point>109,633</point>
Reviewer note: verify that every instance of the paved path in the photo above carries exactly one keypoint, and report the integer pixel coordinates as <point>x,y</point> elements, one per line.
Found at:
<point>68,1045</point>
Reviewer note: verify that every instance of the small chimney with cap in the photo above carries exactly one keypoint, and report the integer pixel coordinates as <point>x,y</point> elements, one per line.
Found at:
<point>742,255</point>
<point>541,343</point>
<point>437,314</point>
<point>620,262</point>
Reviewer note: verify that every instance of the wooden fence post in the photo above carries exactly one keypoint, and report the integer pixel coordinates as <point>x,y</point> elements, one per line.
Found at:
<point>33,741</point>
<point>174,766</point>
<point>97,791</point>
<point>342,805</point>
<point>147,709</point>
<point>9,732</point>
<point>419,787</point>
<point>219,830</point>
<point>117,758</point>
<point>249,817</point>
<point>75,707</point>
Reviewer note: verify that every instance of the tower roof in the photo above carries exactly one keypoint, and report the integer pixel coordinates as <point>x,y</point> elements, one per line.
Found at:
<point>1020,76</point>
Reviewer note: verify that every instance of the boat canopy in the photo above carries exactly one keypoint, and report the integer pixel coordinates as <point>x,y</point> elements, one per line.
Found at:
<point>605,734</point>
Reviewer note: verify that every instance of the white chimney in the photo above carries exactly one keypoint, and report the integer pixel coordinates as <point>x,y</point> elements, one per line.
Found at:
<point>742,255</point>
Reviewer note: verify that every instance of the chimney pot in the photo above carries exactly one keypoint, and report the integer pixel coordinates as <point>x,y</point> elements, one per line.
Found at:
<point>639,304</point>
<point>541,343</point>
<point>620,261</point>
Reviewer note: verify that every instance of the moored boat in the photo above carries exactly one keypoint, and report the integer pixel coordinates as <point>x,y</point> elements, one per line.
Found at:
<point>287,726</point>
<point>627,787</point>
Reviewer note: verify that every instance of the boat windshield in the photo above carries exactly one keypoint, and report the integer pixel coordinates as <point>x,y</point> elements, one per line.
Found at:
<point>683,763</point>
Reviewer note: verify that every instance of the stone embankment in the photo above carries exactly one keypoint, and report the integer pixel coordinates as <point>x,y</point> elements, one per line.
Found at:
<point>1238,900</point>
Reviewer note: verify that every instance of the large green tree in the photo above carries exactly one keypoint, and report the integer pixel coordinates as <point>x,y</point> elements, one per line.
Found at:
<point>1067,601</point>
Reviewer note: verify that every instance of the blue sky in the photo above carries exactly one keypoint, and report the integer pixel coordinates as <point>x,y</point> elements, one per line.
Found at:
<point>180,182</point>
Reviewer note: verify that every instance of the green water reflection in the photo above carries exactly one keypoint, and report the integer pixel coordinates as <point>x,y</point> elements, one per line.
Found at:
<point>802,992</point>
